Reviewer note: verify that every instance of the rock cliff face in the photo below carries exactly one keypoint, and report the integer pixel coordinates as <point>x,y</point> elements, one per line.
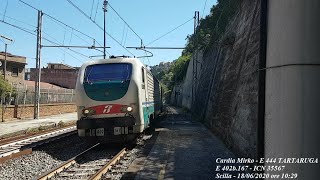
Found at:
<point>226,93</point>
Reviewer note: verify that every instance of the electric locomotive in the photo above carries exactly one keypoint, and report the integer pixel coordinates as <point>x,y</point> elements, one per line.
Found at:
<point>116,99</point>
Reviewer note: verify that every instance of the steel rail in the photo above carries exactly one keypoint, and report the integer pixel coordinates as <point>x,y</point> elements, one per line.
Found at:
<point>24,136</point>
<point>108,166</point>
<point>65,165</point>
<point>21,147</point>
<point>73,161</point>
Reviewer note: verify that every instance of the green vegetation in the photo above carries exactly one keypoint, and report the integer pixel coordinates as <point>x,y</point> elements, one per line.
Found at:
<point>209,32</point>
<point>213,26</point>
<point>5,88</point>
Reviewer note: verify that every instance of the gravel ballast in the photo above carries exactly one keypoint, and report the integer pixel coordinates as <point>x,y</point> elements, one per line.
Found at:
<point>49,156</point>
<point>42,159</point>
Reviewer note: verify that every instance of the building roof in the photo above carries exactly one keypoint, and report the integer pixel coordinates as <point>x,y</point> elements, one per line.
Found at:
<point>13,58</point>
<point>43,85</point>
<point>61,66</point>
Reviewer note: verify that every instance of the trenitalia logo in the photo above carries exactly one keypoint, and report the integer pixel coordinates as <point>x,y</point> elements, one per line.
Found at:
<point>107,109</point>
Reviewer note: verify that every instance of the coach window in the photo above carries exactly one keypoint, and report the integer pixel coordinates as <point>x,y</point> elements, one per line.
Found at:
<point>143,86</point>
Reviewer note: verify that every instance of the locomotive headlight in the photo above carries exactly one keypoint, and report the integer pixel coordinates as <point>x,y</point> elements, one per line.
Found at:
<point>87,112</point>
<point>129,109</point>
<point>126,109</point>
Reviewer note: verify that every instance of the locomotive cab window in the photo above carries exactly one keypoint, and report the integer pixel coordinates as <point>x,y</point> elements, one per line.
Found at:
<point>107,73</point>
<point>106,82</point>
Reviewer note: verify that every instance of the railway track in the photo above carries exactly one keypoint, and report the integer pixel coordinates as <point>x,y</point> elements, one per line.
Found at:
<point>24,146</point>
<point>91,164</point>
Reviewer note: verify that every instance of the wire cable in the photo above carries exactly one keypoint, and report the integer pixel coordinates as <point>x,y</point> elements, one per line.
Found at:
<point>5,10</point>
<point>29,5</point>
<point>32,33</point>
<point>74,29</point>
<point>82,12</point>
<point>57,20</point>
<point>204,7</point>
<point>96,11</point>
<point>75,6</point>
<point>57,44</point>
<point>91,9</point>
<point>124,21</point>
<point>18,20</point>
<point>22,29</point>
<point>169,32</point>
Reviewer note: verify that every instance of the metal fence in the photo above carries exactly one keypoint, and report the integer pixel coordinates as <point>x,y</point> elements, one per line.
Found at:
<point>25,95</point>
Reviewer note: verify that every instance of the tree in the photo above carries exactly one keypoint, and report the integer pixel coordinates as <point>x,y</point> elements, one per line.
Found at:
<point>5,88</point>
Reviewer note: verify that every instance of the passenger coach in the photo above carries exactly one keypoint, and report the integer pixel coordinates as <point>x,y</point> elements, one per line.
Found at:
<point>116,99</point>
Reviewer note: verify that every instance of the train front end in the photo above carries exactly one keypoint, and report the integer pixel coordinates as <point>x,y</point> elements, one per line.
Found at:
<point>107,98</point>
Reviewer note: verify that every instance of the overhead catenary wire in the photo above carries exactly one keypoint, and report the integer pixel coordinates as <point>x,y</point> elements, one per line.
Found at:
<point>82,12</point>
<point>96,10</point>
<point>55,43</point>
<point>92,8</point>
<point>72,32</point>
<point>170,31</point>
<point>32,33</point>
<point>204,8</point>
<point>72,28</point>
<point>5,10</point>
<point>125,21</point>
<point>29,5</point>
<point>59,21</point>
<point>8,17</point>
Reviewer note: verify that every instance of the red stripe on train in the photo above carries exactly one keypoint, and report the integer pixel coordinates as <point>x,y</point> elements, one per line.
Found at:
<point>107,109</point>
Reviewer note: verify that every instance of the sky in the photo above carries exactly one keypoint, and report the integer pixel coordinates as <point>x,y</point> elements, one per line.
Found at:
<point>150,19</point>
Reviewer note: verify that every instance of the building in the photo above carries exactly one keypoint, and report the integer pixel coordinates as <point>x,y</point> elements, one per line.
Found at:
<point>58,74</point>
<point>15,68</point>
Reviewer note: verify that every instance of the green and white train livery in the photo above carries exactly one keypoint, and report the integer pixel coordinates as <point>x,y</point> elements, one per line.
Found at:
<point>116,99</point>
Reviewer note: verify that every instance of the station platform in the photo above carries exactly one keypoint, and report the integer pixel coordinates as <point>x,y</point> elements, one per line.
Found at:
<point>11,127</point>
<point>183,149</point>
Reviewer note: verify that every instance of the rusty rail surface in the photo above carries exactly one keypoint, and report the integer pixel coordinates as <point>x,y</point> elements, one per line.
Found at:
<point>24,146</point>
<point>72,161</point>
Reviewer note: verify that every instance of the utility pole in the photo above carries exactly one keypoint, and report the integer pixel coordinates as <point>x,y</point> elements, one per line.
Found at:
<point>5,55</point>
<point>5,61</point>
<point>195,56</point>
<point>4,72</point>
<point>38,67</point>
<point>105,3</point>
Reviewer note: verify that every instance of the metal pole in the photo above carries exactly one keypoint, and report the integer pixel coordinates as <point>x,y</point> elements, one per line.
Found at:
<point>38,67</point>
<point>105,3</point>
<point>5,62</point>
<point>194,59</point>
<point>4,72</point>
<point>5,55</point>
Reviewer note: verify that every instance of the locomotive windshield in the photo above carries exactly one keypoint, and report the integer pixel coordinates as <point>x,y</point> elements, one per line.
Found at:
<point>107,82</point>
<point>107,73</point>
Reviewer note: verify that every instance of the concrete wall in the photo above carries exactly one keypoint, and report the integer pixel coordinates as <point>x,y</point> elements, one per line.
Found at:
<point>12,112</point>
<point>62,77</point>
<point>226,99</point>
<point>13,62</point>
<point>182,93</point>
<point>13,78</point>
